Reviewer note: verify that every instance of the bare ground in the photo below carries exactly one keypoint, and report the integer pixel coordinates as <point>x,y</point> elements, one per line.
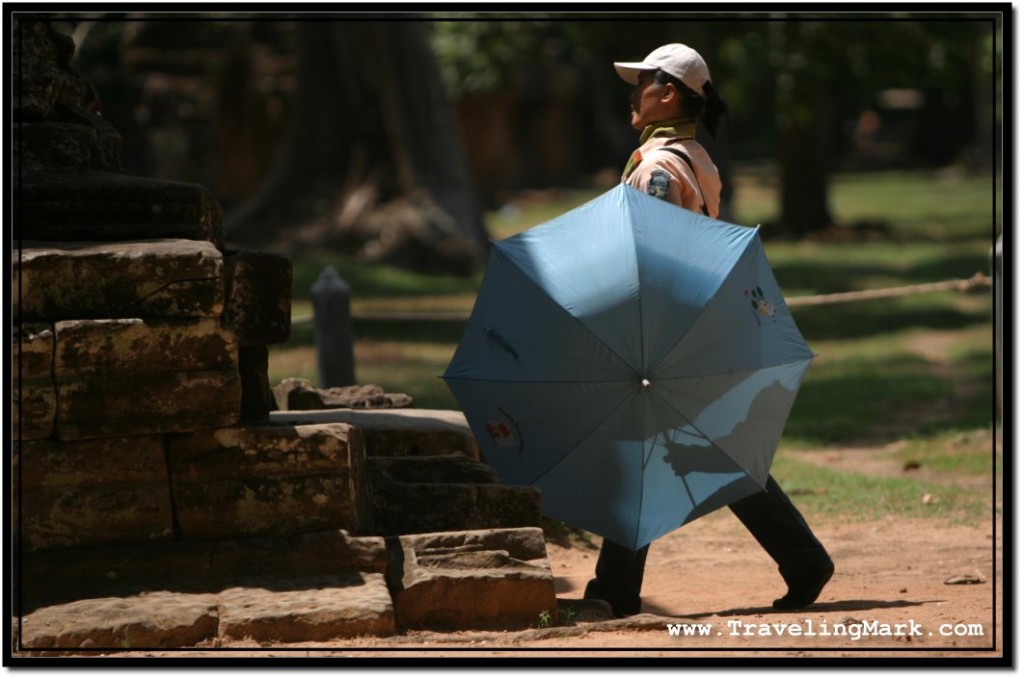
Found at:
<point>712,572</point>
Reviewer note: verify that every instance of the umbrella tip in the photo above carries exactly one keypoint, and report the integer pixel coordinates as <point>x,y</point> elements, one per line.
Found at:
<point>645,384</point>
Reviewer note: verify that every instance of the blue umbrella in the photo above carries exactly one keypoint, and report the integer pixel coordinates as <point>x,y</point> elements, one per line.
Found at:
<point>633,360</point>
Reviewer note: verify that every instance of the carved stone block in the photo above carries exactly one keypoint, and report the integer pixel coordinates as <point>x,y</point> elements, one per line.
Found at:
<point>147,279</point>
<point>101,492</point>
<point>268,480</point>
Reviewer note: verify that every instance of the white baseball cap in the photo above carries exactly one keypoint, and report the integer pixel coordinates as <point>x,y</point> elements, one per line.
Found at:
<point>676,59</point>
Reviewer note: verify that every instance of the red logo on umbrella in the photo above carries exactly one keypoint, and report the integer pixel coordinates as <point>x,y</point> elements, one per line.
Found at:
<point>505,433</point>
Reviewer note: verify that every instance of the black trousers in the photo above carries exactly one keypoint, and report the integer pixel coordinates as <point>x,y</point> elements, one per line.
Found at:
<point>769,516</point>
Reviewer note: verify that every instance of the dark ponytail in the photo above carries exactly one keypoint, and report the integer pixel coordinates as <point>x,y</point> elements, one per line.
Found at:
<point>709,107</point>
<point>714,108</point>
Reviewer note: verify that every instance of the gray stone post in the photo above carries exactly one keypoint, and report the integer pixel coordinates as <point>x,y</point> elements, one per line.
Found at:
<point>332,330</point>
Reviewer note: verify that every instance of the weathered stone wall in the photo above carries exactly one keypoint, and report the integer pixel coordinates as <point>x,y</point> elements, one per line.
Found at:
<point>146,456</point>
<point>133,323</point>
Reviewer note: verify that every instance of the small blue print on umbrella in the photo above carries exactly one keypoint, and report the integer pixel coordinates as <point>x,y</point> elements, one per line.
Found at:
<point>762,307</point>
<point>503,435</point>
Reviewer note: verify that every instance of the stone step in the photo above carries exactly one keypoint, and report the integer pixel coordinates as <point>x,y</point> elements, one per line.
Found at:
<point>210,484</point>
<point>268,480</point>
<point>309,588</point>
<point>497,579</point>
<point>59,576</point>
<point>310,610</point>
<point>283,476</point>
<point>445,493</point>
<point>398,432</point>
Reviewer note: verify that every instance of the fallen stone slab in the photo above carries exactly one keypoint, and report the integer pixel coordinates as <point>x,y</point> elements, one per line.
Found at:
<point>354,604</point>
<point>295,393</point>
<point>399,431</point>
<point>149,620</point>
<point>472,582</point>
<point>523,544</point>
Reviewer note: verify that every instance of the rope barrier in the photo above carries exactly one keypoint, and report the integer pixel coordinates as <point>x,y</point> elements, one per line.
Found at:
<point>959,284</point>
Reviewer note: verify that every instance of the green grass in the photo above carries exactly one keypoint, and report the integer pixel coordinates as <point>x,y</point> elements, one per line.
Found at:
<point>961,453</point>
<point>851,496</point>
<point>905,382</point>
<point>909,205</point>
<point>819,268</point>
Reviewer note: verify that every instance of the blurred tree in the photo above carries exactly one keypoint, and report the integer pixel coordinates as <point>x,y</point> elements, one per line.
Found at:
<point>371,157</point>
<point>526,108</point>
<point>818,64</point>
<point>793,83</point>
<point>372,146</point>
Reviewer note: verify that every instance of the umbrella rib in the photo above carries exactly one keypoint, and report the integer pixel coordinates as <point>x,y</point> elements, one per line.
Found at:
<point>579,441</point>
<point>643,477</point>
<point>711,301</point>
<point>689,493</point>
<point>524,381</point>
<point>544,293</point>
<point>722,373</point>
<point>707,438</point>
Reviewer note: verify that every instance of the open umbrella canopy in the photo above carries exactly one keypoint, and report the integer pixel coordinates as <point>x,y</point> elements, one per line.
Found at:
<point>633,360</point>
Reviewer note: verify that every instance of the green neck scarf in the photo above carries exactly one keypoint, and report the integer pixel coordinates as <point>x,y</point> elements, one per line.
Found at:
<point>684,128</point>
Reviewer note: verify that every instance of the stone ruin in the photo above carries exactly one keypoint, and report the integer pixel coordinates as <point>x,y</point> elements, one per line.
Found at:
<point>160,497</point>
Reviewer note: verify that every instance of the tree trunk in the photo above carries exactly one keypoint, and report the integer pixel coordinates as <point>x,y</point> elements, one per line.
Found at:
<point>802,108</point>
<point>372,143</point>
<point>804,169</point>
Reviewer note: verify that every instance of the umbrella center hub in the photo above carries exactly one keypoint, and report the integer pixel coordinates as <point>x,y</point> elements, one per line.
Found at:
<point>645,384</point>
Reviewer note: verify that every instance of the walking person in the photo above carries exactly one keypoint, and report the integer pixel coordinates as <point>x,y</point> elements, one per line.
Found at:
<point>673,91</point>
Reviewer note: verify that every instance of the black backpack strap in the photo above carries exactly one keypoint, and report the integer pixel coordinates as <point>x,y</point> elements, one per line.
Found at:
<point>689,163</point>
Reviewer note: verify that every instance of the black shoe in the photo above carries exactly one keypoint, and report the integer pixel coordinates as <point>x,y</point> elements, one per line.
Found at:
<point>804,591</point>
<point>620,608</point>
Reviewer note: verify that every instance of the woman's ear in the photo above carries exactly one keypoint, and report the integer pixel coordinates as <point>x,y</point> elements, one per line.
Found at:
<point>669,93</point>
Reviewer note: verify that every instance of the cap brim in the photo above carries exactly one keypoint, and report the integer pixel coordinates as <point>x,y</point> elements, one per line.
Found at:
<point>630,70</point>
